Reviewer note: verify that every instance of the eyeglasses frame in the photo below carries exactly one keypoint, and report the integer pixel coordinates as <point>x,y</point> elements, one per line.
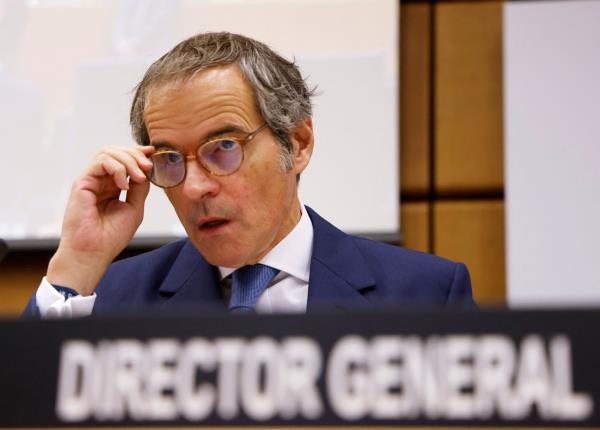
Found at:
<point>242,141</point>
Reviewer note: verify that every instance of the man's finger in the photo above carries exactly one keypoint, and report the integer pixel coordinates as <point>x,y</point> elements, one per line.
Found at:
<point>115,169</point>
<point>127,159</point>
<point>136,196</point>
<point>141,154</point>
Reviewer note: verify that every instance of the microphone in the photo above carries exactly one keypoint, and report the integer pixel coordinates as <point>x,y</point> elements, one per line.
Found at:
<point>3,250</point>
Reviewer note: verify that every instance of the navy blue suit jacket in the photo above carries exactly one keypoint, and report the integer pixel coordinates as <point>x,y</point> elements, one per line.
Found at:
<point>346,272</point>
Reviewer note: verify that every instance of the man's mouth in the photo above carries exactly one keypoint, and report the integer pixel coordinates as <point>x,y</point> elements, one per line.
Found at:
<point>212,224</point>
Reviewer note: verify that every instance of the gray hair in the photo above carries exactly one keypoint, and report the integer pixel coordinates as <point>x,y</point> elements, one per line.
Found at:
<point>281,93</point>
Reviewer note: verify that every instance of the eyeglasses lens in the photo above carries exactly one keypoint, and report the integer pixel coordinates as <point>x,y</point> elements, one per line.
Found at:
<point>221,157</point>
<point>168,169</point>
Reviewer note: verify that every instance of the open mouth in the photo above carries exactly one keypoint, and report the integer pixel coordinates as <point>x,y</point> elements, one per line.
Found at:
<point>213,224</point>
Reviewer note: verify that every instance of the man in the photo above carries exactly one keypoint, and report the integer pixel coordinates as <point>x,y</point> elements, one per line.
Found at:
<point>224,126</point>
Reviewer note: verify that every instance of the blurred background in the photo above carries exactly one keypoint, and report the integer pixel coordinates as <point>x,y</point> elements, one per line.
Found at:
<point>472,126</point>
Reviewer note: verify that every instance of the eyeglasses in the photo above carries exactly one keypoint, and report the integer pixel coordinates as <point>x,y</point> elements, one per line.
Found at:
<point>221,157</point>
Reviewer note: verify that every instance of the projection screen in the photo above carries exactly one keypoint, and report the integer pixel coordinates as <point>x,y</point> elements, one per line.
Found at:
<point>68,68</point>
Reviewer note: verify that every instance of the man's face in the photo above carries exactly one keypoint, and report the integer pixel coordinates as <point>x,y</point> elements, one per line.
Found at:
<point>232,220</point>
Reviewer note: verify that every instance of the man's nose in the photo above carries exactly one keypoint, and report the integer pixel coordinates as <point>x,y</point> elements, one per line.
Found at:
<point>198,182</point>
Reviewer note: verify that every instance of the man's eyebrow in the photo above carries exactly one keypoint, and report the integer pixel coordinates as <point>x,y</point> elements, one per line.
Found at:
<point>225,130</point>
<point>162,145</point>
<point>228,129</point>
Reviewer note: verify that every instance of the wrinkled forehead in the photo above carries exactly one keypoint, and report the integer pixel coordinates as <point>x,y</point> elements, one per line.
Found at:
<point>211,99</point>
<point>206,83</point>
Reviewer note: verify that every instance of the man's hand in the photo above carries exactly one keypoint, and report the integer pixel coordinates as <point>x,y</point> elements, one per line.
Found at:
<point>97,225</point>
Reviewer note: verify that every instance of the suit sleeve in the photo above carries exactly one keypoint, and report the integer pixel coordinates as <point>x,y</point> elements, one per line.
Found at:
<point>49,302</point>
<point>459,291</point>
<point>31,310</point>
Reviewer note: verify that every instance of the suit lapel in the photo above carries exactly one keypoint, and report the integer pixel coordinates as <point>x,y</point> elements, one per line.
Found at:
<point>191,282</point>
<point>339,275</point>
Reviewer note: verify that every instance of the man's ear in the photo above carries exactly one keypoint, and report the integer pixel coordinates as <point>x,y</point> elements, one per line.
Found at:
<point>302,140</point>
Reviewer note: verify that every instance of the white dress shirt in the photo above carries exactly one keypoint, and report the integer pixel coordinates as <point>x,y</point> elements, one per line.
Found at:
<point>53,304</point>
<point>287,293</point>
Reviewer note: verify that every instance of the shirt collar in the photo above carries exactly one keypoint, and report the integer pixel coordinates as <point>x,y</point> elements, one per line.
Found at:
<point>292,254</point>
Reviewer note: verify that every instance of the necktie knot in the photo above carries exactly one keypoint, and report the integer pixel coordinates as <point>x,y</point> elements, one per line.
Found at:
<point>248,283</point>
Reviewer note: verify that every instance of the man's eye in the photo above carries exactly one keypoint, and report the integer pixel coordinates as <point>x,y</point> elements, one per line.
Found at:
<point>227,145</point>
<point>173,157</point>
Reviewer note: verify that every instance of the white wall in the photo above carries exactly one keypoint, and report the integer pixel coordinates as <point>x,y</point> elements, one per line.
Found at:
<point>552,152</point>
<point>67,70</point>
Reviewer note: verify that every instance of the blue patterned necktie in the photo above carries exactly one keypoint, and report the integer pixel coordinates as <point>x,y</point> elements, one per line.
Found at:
<point>248,283</point>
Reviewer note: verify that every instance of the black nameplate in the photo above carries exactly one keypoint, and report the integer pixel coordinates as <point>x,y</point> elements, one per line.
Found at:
<point>538,368</point>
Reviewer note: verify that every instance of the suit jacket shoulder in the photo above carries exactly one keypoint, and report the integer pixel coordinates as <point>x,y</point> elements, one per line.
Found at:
<point>370,273</point>
<point>427,278</point>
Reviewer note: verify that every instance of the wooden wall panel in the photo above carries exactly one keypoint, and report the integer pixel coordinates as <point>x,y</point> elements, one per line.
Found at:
<point>20,275</point>
<point>415,112</point>
<point>473,232</point>
<point>468,97</point>
<point>414,222</point>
